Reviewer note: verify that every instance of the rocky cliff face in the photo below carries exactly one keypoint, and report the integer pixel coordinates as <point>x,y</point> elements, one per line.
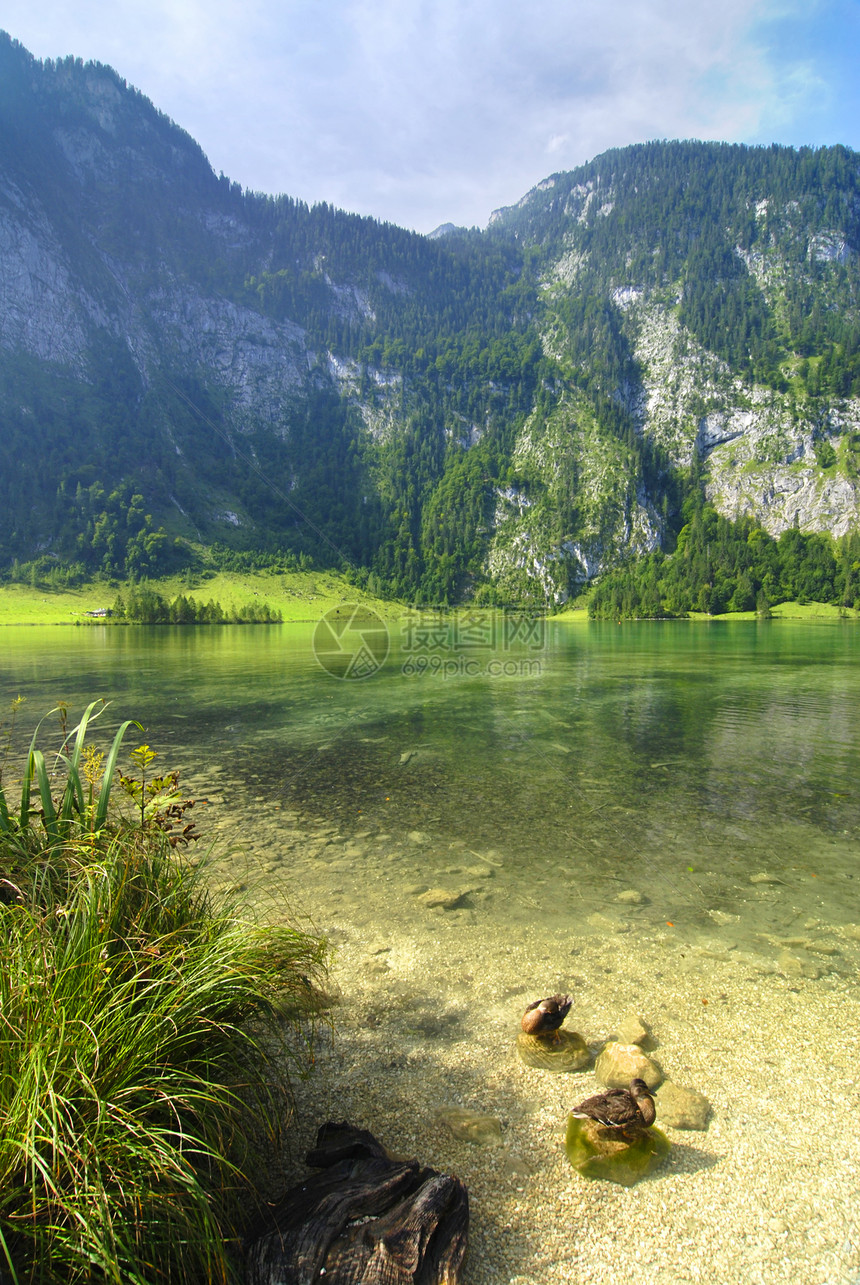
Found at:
<point>785,461</point>
<point>584,350</point>
<point>579,511</point>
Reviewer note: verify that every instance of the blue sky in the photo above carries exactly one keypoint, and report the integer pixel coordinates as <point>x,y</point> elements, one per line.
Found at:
<point>427,111</point>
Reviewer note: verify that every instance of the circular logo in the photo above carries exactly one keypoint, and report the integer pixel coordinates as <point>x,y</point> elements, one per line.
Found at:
<point>351,641</point>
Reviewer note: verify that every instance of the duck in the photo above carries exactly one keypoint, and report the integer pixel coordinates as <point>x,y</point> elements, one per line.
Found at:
<point>624,1109</point>
<point>545,1016</point>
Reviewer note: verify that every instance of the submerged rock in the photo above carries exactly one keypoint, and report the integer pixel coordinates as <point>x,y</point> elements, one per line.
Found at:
<point>723,918</point>
<point>618,1064</point>
<point>472,1126</point>
<point>441,898</point>
<point>596,1151</point>
<point>798,964</point>
<point>607,923</point>
<point>681,1108</point>
<point>558,1051</point>
<point>632,897</point>
<point>635,1030</point>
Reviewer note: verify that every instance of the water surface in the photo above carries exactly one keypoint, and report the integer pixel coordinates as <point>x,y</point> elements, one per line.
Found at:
<point>638,777</point>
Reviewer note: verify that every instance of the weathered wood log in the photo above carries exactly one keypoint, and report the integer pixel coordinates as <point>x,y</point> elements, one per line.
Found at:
<point>365,1220</point>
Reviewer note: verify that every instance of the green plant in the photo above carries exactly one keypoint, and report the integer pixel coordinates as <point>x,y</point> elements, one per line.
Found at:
<point>59,819</point>
<point>137,1059</point>
<point>146,1032</point>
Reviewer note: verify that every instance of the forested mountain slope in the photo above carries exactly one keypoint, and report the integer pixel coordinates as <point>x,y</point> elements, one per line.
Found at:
<point>475,415</point>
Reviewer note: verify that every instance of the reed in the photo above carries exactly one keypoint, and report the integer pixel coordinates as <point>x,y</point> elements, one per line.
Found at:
<point>146,1033</point>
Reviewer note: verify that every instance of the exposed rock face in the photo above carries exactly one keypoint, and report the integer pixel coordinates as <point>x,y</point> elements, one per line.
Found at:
<point>757,444</point>
<point>613,516</point>
<point>260,363</point>
<point>43,311</point>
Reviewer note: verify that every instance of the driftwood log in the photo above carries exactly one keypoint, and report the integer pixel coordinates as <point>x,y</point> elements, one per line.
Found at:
<point>364,1220</point>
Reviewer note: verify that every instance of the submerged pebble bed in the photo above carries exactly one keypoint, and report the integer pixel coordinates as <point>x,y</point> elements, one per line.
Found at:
<point>768,1193</point>
<point>429,994</point>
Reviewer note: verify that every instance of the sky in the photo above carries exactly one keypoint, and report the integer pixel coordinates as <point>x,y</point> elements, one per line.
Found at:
<point>422,112</point>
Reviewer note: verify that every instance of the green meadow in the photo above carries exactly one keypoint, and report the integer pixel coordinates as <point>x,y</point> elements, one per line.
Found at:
<point>297,595</point>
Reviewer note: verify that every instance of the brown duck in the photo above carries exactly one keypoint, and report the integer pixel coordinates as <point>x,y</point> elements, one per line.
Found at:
<point>625,1109</point>
<point>545,1016</point>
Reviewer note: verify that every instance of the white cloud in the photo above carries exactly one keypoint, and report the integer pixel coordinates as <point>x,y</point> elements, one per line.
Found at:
<point>420,111</point>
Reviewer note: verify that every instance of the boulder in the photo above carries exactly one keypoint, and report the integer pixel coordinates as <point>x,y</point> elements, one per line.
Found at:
<point>681,1108</point>
<point>560,1051</point>
<point>596,1151</point>
<point>633,1029</point>
<point>618,1064</point>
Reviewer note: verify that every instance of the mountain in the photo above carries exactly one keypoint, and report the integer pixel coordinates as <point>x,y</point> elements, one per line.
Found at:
<point>481,415</point>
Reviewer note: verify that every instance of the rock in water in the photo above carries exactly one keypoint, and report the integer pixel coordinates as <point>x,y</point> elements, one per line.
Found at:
<point>472,1126</point>
<point>442,898</point>
<point>618,1064</point>
<point>560,1051</point>
<point>599,1152</point>
<point>681,1108</point>
<point>364,1218</point>
<point>635,1030</point>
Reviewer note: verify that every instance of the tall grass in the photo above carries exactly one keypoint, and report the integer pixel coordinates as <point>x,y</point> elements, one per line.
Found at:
<point>144,1032</point>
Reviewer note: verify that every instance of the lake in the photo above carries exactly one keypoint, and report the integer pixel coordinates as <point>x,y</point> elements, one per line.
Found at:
<point>661,819</point>
<point>711,769</point>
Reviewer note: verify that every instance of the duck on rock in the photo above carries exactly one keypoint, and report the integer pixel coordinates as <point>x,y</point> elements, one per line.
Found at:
<point>629,1110</point>
<point>545,1016</point>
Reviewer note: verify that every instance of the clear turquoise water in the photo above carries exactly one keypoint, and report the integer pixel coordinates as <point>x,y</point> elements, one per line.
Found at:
<point>677,761</point>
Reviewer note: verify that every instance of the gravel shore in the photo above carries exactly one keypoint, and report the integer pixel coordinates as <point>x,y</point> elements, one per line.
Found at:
<point>427,1016</point>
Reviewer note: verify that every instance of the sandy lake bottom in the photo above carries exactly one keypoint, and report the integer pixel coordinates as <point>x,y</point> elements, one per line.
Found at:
<point>756,1007</point>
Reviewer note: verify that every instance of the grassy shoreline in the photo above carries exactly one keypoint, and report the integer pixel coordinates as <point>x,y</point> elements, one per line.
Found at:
<point>298,596</point>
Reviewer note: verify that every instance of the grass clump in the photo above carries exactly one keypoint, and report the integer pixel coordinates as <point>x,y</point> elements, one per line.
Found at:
<point>144,1035</point>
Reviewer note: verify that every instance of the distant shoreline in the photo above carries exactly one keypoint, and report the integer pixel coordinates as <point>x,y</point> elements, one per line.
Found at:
<point>22,607</point>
